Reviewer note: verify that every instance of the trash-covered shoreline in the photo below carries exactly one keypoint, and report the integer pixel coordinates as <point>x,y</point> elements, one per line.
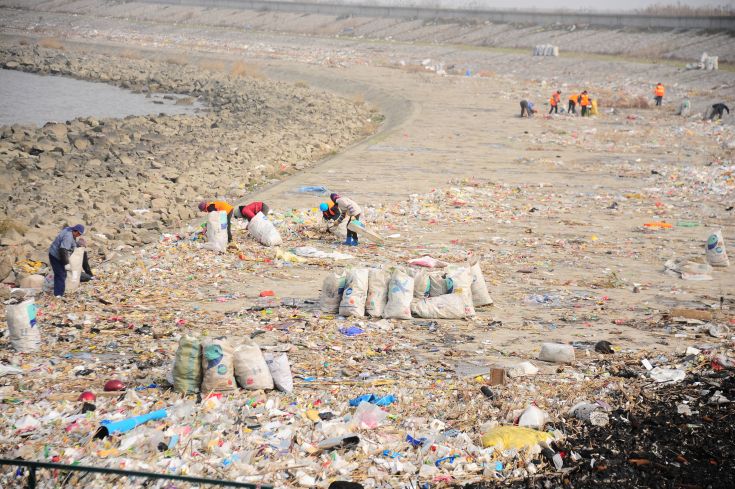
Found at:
<point>605,359</point>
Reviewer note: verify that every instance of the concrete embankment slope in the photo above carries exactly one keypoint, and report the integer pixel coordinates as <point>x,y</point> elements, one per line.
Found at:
<point>650,37</point>
<point>470,10</point>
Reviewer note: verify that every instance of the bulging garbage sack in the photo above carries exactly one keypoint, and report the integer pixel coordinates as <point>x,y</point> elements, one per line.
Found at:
<point>251,371</point>
<point>217,231</point>
<point>32,282</point>
<point>400,294</point>
<point>188,365</point>
<point>217,363</point>
<point>355,294</point>
<point>280,371</point>
<point>74,276</point>
<point>22,328</point>
<point>377,295</point>
<point>332,290</point>
<point>480,295</point>
<point>264,231</point>
<point>557,353</point>
<point>437,284</point>
<point>459,281</point>
<point>421,284</point>
<point>716,253</point>
<point>447,306</point>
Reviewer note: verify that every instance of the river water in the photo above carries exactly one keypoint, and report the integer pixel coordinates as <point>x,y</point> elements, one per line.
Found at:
<point>27,98</point>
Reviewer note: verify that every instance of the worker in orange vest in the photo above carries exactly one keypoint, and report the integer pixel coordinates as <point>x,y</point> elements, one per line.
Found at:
<point>584,102</point>
<point>659,93</point>
<point>573,103</point>
<point>554,102</point>
<point>220,205</point>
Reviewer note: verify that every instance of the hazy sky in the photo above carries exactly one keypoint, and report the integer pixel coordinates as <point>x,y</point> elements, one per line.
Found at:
<point>597,5</point>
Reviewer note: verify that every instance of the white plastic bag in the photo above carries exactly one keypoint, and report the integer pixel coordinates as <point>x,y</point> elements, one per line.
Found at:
<point>332,289</point>
<point>280,371</point>
<point>217,364</point>
<point>400,293</point>
<point>217,231</point>
<point>74,276</point>
<point>437,284</point>
<point>459,281</point>
<point>377,295</point>
<point>355,294</point>
<point>480,295</point>
<point>251,371</point>
<point>264,231</point>
<point>448,306</point>
<point>22,328</point>
<point>716,253</point>
<point>421,284</point>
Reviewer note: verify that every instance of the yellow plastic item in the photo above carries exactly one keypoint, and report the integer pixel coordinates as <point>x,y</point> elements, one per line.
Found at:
<point>288,256</point>
<point>506,437</point>
<point>593,110</point>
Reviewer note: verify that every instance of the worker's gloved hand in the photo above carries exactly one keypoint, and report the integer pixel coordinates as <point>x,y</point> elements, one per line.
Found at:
<point>67,267</point>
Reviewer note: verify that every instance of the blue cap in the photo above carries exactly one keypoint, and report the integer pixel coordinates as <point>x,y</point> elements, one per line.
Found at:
<point>78,228</point>
<point>323,207</point>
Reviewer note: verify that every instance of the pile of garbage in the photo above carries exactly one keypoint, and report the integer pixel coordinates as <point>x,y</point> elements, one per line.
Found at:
<point>405,292</point>
<point>706,62</point>
<point>546,50</point>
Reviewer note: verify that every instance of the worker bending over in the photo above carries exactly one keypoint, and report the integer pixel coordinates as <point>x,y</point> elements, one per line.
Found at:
<point>527,108</point>
<point>718,110</point>
<point>250,210</point>
<point>343,207</point>
<point>572,109</point>
<point>220,205</point>
<point>554,102</point>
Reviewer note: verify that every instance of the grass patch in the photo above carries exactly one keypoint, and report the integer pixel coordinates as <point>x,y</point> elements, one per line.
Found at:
<point>178,60</point>
<point>51,43</point>
<point>240,68</point>
<point>213,65</point>
<point>130,54</point>
<point>301,84</point>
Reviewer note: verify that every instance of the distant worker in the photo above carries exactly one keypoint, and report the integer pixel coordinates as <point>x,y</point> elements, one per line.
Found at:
<point>220,205</point>
<point>250,210</point>
<point>554,102</point>
<point>659,92</point>
<point>573,103</point>
<point>684,107</point>
<point>584,103</point>
<point>718,110</point>
<point>59,253</point>
<point>527,108</point>
<point>347,208</point>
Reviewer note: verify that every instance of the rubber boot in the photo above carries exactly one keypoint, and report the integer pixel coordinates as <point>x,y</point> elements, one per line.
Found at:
<point>348,241</point>
<point>354,242</point>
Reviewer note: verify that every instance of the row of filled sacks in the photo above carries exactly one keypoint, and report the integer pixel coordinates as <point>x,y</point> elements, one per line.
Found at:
<point>401,293</point>
<point>214,365</point>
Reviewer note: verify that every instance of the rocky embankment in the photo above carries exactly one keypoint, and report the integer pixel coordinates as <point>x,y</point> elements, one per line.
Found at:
<point>129,179</point>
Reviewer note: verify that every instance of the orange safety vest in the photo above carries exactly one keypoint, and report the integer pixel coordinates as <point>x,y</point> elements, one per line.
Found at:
<point>573,98</point>
<point>585,100</point>
<point>552,101</point>
<point>659,90</point>
<point>221,206</point>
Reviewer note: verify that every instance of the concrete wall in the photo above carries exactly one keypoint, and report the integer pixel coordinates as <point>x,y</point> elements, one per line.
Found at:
<point>404,9</point>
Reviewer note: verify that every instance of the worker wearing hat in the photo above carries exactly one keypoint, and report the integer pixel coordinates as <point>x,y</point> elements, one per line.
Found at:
<point>342,207</point>
<point>59,253</point>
